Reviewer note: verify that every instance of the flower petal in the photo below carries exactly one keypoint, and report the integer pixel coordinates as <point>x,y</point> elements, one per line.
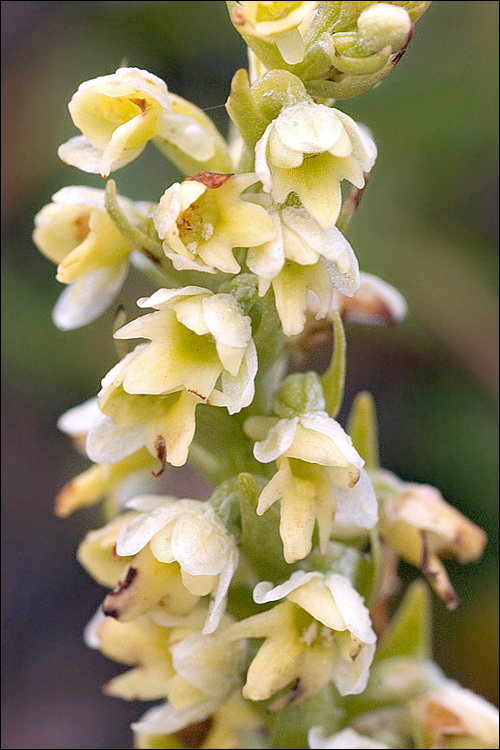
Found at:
<point>108,443</point>
<point>87,298</point>
<point>278,440</point>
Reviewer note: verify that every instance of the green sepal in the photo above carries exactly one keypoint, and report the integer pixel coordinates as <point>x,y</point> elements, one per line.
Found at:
<point>260,541</point>
<point>362,427</point>
<point>410,631</point>
<point>299,393</point>
<point>333,380</point>
<point>276,90</point>
<point>349,86</point>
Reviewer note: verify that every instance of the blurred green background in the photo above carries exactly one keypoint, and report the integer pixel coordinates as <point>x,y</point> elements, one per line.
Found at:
<point>428,224</point>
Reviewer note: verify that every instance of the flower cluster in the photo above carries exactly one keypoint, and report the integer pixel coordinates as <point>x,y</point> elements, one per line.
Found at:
<point>270,593</point>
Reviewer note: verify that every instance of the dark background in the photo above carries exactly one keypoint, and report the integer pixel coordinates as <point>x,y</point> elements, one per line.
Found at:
<point>427,223</point>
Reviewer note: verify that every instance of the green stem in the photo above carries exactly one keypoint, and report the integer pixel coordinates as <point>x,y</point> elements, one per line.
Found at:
<point>149,247</point>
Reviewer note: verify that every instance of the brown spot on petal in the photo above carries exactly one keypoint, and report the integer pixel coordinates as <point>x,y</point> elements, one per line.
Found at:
<point>109,604</point>
<point>210,179</point>
<point>129,579</point>
<point>81,227</point>
<point>114,554</point>
<point>355,647</point>
<point>161,452</point>
<point>195,393</point>
<point>237,17</point>
<point>141,103</point>
<point>194,735</point>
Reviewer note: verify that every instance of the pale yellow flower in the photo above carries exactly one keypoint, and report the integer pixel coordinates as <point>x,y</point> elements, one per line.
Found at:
<point>453,717</point>
<point>309,149</point>
<point>203,219</point>
<point>180,552</point>
<point>303,259</point>
<point>76,232</point>
<point>279,23</point>
<point>196,338</point>
<point>194,672</point>
<point>422,527</point>
<point>319,471</point>
<point>119,113</point>
<point>119,481</point>
<point>321,632</point>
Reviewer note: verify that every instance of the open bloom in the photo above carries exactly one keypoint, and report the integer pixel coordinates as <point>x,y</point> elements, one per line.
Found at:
<point>278,23</point>
<point>76,232</point>
<point>309,149</point>
<point>422,527</point>
<point>303,258</point>
<point>321,632</point>
<point>125,423</point>
<point>194,672</point>
<point>196,337</point>
<point>119,113</point>
<point>150,397</point>
<point>120,481</point>
<point>319,471</point>
<point>203,219</point>
<point>181,551</point>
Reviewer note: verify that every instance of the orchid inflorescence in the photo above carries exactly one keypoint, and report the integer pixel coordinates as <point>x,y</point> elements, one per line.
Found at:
<point>257,618</point>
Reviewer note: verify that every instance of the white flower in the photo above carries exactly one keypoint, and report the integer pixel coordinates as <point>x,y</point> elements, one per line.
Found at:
<point>196,337</point>
<point>279,23</point>
<point>76,232</point>
<point>319,470</point>
<point>120,479</point>
<point>119,113</point>
<point>309,149</point>
<point>194,672</point>
<point>203,219</point>
<point>303,258</point>
<point>185,534</point>
<point>321,632</point>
